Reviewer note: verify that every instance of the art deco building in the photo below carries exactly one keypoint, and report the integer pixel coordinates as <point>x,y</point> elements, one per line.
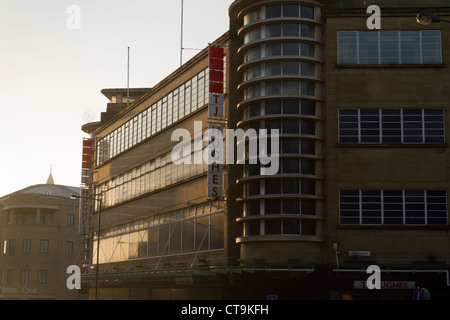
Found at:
<point>39,234</point>
<point>363,163</point>
<point>281,87</point>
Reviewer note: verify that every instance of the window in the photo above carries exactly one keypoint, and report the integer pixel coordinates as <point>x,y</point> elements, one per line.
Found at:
<point>406,126</point>
<point>154,119</point>
<point>10,276</point>
<point>391,125</point>
<point>24,276</point>
<point>26,247</point>
<point>43,248</point>
<point>12,246</point>
<point>42,277</point>
<point>389,47</point>
<point>69,248</point>
<point>289,227</point>
<point>70,219</point>
<point>278,30</point>
<point>286,87</point>
<point>252,228</point>
<point>277,11</point>
<point>252,16</point>
<point>393,207</point>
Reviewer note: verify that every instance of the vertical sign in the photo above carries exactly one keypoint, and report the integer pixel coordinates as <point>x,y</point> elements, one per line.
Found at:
<point>215,114</point>
<point>85,188</point>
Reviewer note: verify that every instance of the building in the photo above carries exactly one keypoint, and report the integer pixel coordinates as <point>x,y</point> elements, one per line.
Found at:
<point>387,172</point>
<point>39,234</point>
<point>362,177</point>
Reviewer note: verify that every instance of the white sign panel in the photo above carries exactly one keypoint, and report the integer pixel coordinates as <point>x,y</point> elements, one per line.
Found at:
<point>359,253</point>
<point>387,285</point>
<point>216,99</point>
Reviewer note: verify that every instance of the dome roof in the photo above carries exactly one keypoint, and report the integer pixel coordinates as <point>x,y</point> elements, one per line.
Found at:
<point>50,190</point>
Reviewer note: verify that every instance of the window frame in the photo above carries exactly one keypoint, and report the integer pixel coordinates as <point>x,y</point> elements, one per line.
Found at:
<point>428,119</point>
<point>357,60</point>
<point>407,197</point>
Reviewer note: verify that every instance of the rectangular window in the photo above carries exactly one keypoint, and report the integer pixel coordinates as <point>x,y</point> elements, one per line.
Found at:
<point>176,104</point>
<point>26,247</point>
<point>42,277</point>
<point>24,276</point>
<point>70,219</point>
<point>10,276</point>
<point>393,207</point>
<point>12,246</point>
<point>407,126</point>
<point>390,47</point>
<point>69,248</point>
<point>43,248</point>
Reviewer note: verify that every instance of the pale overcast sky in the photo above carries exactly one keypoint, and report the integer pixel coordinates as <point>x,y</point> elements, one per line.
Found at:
<point>51,75</point>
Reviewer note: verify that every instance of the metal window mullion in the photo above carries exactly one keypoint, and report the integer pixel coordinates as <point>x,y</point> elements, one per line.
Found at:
<point>360,206</point>
<point>404,207</point>
<point>382,207</point>
<point>379,46</point>
<point>402,135</point>
<point>359,125</point>
<point>380,125</point>
<point>425,200</point>
<point>420,47</point>
<point>357,48</point>
<point>446,206</point>
<point>443,125</point>
<point>423,126</point>
<point>399,47</point>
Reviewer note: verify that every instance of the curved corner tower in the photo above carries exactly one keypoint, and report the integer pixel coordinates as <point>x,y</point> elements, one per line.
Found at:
<point>281,87</point>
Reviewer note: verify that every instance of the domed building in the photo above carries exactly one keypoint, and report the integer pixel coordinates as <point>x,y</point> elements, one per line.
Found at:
<point>39,236</point>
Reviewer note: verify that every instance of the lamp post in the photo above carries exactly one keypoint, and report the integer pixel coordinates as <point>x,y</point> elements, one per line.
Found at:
<point>99,199</point>
<point>425,18</point>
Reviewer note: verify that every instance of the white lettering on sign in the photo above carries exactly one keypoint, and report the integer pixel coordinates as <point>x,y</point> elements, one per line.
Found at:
<point>373,282</point>
<point>23,290</point>
<point>387,285</point>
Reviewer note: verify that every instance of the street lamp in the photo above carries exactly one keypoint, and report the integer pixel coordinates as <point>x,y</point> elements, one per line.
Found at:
<point>426,18</point>
<point>99,199</point>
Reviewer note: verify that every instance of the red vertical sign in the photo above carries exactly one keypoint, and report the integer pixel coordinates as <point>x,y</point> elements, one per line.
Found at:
<point>85,190</point>
<point>215,111</point>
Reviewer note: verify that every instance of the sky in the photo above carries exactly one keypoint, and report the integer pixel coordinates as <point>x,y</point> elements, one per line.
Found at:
<point>57,55</point>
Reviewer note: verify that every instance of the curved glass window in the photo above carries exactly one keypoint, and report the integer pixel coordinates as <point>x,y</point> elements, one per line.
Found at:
<point>279,30</point>
<point>289,186</point>
<point>288,87</point>
<point>273,11</point>
<point>287,166</point>
<point>288,106</point>
<point>290,146</point>
<point>252,16</point>
<point>278,49</point>
<point>278,11</point>
<point>251,208</point>
<point>278,68</point>
<point>252,35</point>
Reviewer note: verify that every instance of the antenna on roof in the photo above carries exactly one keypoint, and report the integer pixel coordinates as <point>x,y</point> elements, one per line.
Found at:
<point>128,78</point>
<point>182,22</point>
